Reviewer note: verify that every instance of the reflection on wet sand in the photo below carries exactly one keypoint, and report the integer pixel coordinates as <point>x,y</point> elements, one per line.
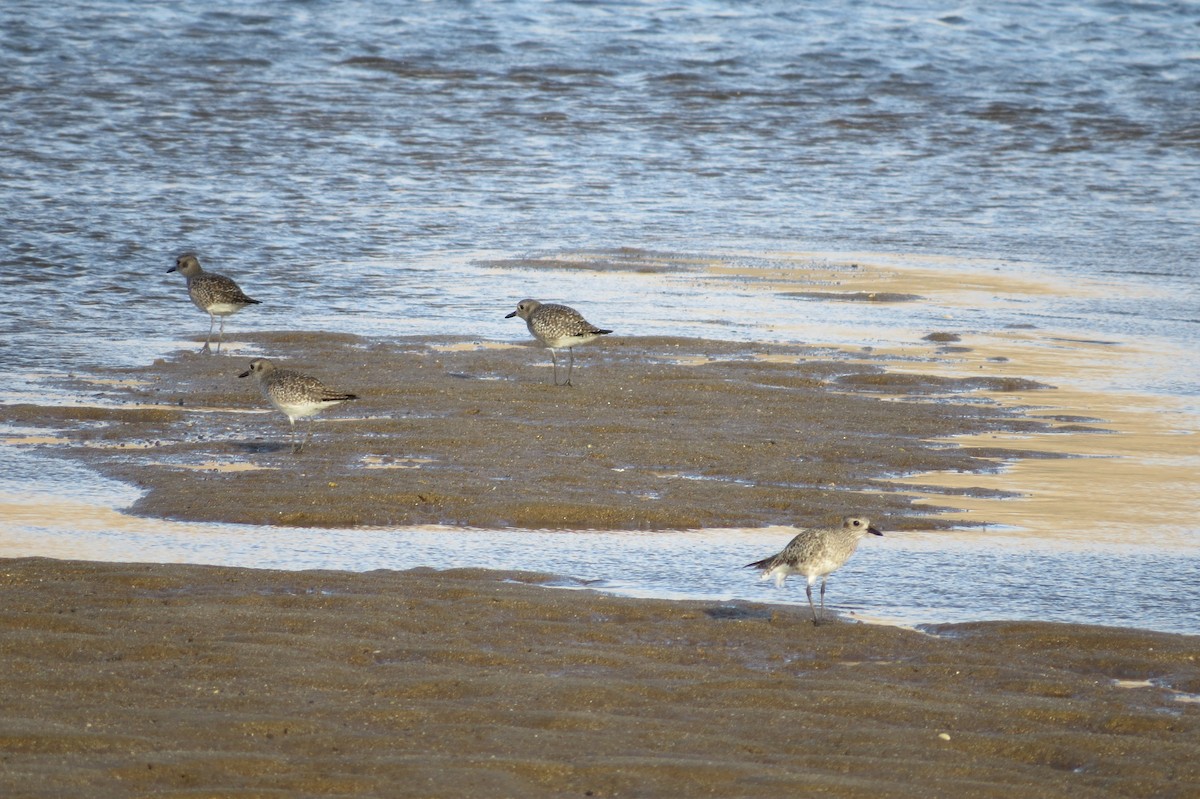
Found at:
<point>215,466</point>
<point>1131,475</point>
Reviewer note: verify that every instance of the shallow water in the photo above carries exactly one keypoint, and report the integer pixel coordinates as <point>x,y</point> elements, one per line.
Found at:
<point>902,578</point>
<point>381,169</point>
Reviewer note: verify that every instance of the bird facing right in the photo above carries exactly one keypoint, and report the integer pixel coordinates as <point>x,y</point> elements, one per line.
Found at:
<point>814,553</point>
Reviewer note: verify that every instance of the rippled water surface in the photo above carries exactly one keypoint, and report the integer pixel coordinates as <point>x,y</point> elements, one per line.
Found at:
<point>371,167</point>
<point>375,147</point>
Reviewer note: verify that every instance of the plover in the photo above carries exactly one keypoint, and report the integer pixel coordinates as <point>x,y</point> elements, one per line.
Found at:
<point>816,553</point>
<point>557,327</point>
<point>296,395</point>
<point>214,294</point>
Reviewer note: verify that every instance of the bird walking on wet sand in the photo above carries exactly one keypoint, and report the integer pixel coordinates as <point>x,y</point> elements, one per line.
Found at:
<point>216,295</point>
<point>557,327</point>
<point>294,394</point>
<point>814,553</point>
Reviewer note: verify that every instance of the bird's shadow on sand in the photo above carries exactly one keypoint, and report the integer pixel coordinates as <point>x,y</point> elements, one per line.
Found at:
<point>263,447</point>
<point>738,612</point>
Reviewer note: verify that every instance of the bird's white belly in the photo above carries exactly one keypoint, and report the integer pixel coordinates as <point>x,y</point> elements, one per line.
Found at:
<point>301,411</point>
<point>223,308</point>
<point>779,573</point>
<point>810,570</point>
<point>564,342</point>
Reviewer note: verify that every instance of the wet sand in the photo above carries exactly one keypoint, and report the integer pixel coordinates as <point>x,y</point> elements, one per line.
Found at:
<point>654,434</point>
<point>166,680</point>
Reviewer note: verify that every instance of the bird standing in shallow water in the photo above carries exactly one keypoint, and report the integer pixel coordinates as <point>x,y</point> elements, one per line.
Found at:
<point>296,395</point>
<point>557,327</point>
<point>816,553</point>
<point>214,294</point>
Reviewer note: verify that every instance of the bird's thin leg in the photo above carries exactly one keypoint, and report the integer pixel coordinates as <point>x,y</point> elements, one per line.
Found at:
<point>570,363</point>
<point>295,443</point>
<point>212,320</point>
<point>808,590</point>
<point>554,361</point>
<point>823,594</point>
<point>221,335</point>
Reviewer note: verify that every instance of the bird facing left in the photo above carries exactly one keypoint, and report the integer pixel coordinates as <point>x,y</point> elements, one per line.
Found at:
<point>216,295</point>
<point>295,395</point>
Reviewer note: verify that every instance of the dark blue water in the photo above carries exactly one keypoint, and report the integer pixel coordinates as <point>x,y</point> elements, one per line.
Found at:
<point>321,143</point>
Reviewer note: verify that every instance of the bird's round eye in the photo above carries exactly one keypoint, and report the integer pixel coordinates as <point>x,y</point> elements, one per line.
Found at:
<point>857,523</point>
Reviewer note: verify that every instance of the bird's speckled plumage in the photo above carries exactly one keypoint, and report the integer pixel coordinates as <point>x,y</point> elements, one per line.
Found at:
<point>216,295</point>
<point>816,552</point>
<point>557,327</point>
<point>294,394</point>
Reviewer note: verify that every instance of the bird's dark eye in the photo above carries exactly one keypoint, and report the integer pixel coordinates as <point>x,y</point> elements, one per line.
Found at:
<point>857,523</point>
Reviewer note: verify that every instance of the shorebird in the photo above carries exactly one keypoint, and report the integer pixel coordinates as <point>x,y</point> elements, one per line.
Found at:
<point>296,395</point>
<point>814,553</point>
<point>214,294</point>
<point>557,327</point>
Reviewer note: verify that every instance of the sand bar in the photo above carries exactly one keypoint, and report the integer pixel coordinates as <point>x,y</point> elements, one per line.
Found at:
<point>130,680</point>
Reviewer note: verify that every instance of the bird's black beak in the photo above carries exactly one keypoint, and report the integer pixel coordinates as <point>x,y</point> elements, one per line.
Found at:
<point>873,531</point>
<point>172,269</point>
<point>510,315</point>
<point>247,374</point>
